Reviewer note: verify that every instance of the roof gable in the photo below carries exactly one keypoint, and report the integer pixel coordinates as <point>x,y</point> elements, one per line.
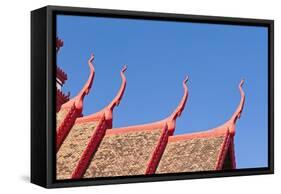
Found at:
<point>193,152</point>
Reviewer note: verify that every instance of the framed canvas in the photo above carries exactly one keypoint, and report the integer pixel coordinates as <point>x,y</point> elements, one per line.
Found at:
<point>125,96</point>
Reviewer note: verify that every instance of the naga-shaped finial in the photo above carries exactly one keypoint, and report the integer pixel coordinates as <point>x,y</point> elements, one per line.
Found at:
<point>85,90</point>
<point>171,120</point>
<point>237,114</point>
<point>118,97</point>
<point>177,112</point>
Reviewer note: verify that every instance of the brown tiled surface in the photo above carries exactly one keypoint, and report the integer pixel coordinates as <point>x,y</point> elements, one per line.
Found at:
<point>123,154</point>
<point>72,148</point>
<point>199,154</point>
<point>61,115</point>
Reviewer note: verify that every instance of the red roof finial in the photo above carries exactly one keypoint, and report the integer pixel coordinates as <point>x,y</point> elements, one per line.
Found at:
<point>85,90</point>
<point>236,115</point>
<point>118,97</point>
<point>171,120</point>
<point>181,105</point>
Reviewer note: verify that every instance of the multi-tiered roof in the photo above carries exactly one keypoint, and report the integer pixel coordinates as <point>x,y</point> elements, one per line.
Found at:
<point>89,146</point>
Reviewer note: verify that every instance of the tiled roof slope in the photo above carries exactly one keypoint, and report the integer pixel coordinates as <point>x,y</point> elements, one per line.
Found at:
<point>194,152</point>
<point>134,150</point>
<point>148,149</point>
<point>124,153</point>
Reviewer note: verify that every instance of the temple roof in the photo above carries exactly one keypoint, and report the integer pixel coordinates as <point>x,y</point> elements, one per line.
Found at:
<point>88,146</point>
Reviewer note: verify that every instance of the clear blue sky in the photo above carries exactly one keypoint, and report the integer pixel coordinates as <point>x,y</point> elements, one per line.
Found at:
<point>159,55</point>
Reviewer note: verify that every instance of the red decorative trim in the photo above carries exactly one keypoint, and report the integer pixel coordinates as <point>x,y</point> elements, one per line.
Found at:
<point>136,128</point>
<point>86,119</point>
<point>157,154</point>
<point>171,120</point>
<point>227,127</point>
<point>89,150</point>
<point>116,101</point>
<point>86,89</point>
<point>223,152</point>
<point>237,114</point>
<point>204,134</point>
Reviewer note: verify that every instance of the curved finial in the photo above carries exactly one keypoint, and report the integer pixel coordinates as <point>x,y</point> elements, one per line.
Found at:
<point>85,90</point>
<point>237,114</point>
<point>124,68</point>
<point>118,97</point>
<point>181,105</point>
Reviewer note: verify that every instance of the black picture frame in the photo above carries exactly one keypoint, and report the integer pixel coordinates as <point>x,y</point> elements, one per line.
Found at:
<point>43,63</point>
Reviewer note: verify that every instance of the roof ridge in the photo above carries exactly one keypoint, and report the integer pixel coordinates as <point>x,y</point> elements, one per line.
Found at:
<point>225,127</point>
<point>169,121</point>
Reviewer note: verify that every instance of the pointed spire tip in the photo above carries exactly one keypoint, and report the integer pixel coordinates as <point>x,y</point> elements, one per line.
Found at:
<point>185,79</point>
<point>241,82</point>
<point>92,57</point>
<point>124,68</point>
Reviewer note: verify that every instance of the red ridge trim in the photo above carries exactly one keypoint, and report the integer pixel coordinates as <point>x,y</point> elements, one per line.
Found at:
<point>227,127</point>
<point>232,154</point>
<point>170,121</point>
<point>65,126</point>
<point>223,152</point>
<point>89,150</point>
<point>158,152</point>
<point>204,134</point>
<point>87,119</point>
<point>147,127</point>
